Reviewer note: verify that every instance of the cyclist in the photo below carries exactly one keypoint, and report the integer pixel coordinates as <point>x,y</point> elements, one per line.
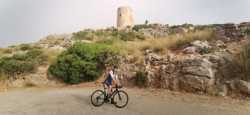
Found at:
<point>111,80</point>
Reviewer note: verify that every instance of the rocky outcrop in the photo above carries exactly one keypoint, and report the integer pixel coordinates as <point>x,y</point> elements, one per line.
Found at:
<point>229,32</point>
<point>60,42</point>
<point>243,86</point>
<point>213,73</point>
<point>197,47</point>
<point>155,30</point>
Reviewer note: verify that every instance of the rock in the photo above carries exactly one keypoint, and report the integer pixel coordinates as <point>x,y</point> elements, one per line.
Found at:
<point>228,32</point>
<point>154,59</point>
<point>197,47</point>
<point>170,56</point>
<point>223,90</point>
<point>199,67</point>
<point>197,74</point>
<point>220,44</point>
<point>193,83</point>
<point>201,44</point>
<point>154,30</point>
<point>190,50</point>
<point>58,47</point>
<point>243,86</point>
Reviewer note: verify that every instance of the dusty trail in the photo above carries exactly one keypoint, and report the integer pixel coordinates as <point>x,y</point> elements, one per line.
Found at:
<point>75,101</point>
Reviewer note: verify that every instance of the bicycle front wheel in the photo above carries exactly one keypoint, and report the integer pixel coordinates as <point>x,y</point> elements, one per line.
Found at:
<point>98,98</point>
<point>121,99</point>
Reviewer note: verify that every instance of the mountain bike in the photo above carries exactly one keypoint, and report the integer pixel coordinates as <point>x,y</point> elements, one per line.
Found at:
<point>118,96</point>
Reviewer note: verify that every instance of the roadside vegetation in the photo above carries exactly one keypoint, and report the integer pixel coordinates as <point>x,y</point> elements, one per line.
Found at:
<point>243,62</point>
<point>82,62</point>
<point>21,62</point>
<point>107,35</point>
<point>247,32</point>
<point>141,79</point>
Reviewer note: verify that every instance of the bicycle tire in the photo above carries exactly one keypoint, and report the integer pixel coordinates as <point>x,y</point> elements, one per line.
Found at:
<point>101,94</point>
<point>118,95</point>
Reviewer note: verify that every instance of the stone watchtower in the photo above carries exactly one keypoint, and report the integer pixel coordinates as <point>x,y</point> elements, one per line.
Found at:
<point>124,17</point>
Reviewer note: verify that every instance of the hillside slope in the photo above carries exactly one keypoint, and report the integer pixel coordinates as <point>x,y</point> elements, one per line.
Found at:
<point>210,59</point>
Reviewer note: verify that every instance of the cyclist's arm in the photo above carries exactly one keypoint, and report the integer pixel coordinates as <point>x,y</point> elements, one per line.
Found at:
<point>116,80</point>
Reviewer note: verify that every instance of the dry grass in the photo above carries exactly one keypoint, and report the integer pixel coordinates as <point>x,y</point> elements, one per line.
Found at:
<point>243,61</point>
<point>2,77</point>
<point>160,45</point>
<point>5,50</point>
<point>51,54</point>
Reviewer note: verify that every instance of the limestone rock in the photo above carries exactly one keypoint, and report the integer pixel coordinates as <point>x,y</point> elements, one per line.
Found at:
<point>193,83</point>
<point>220,44</point>
<point>190,50</point>
<point>201,44</point>
<point>199,67</point>
<point>197,47</point>
<point>243,86</point>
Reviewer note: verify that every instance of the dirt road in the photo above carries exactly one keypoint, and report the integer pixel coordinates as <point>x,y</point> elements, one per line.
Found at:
<point>75,101</point>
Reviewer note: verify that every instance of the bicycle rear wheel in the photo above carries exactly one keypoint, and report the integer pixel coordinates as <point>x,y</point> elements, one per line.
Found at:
<point>121,99</point>
<point>98,98</point>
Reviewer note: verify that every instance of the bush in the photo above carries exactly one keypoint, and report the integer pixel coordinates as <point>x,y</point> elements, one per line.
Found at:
<point>243,61</point>
<point>127,36</point>
<point>142,26</point>
<point>6,50</point>
<point>25,47</point>
<point>141,79</point>
<point>107,35</point>
<point>247,32</point>
<point>21,63</point>
<point>83,35</point>
<point>80,63</point>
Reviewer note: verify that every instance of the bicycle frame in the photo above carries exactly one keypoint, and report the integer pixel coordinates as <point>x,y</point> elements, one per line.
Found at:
<point>113,92</point>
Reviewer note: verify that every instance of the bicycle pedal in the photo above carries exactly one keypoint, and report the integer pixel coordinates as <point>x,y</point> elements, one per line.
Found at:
<point>106,100</point>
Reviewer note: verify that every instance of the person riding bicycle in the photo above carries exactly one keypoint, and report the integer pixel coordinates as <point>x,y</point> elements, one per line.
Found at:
<point>111,80</point>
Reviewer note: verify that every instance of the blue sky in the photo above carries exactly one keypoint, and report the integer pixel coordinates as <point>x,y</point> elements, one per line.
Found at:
<point>24,21</point>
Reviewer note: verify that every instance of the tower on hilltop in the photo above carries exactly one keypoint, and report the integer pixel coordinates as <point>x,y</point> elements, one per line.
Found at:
<point>124,17</point>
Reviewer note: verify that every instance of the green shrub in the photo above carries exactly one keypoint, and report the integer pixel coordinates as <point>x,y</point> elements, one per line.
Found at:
<point>83,35</point>
<point>205,51</point>
<point>142,26</point>
<point>21,63</point>
<point>247,32</point>
<point>127,36</point>
<point>141,79</point>
<point>25,47</point>
<point>107,35</point>
<point>80,63</point>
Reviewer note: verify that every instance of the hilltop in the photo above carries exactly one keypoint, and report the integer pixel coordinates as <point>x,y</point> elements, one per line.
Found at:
<point>205,59</point>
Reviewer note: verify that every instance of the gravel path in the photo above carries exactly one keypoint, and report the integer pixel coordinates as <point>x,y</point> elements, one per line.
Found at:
<point>76,101</point>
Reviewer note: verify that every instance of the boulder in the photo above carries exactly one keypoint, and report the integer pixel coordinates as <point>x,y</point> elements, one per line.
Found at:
<point>243,86</point>
<point>197,74</point>
<point>193,83</point>
<point>220,44</point>
<point>197,47</point>
<point>190,50</point>
<point>198,67</point>
<point>201,44</point>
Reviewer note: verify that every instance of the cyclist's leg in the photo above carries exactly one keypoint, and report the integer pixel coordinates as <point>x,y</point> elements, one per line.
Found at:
<point>109,90</point>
